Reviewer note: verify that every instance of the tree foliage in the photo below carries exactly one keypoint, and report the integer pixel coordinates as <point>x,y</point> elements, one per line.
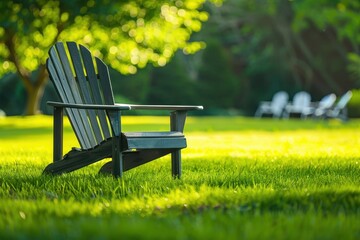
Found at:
<point>126,34</point>
<point>217,85</point>
<point>341,18</point>
<point>171,84</point>
<point>254,48</point>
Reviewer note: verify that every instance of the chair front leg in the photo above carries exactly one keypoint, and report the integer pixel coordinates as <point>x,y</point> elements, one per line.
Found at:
<point>117,159</point>
<point>58,134</point>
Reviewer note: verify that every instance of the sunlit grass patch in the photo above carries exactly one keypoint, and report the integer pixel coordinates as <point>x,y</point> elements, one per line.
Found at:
<point>242,178</point>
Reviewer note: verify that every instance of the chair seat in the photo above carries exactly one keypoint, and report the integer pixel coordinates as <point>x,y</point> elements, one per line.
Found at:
<point>153,134</point>
<point>155,140</point>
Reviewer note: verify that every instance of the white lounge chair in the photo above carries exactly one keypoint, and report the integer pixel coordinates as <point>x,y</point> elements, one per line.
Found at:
<point>339,110</point>
<point>300,104</point>
<point>319,109</point>
<point>275,107</point>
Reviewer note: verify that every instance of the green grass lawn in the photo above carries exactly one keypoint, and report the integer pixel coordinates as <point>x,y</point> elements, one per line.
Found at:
<point>242,178</point>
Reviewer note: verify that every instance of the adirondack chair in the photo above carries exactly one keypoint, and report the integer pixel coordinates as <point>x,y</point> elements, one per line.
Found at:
<point>339,110</point>
<point>275,107</point>
<point>300,103</point>
<point>319,109</point>
<point>86,95</point>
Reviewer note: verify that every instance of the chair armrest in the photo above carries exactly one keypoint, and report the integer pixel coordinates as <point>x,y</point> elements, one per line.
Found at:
<point>163,107</point>
<point>125,106</point>
<point>89,106</point>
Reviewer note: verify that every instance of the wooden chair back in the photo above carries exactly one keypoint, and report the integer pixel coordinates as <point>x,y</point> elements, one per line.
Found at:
<point>78,80</point>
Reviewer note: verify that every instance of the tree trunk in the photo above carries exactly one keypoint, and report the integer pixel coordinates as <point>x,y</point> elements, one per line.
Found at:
<point>35,91</point>
<point>34,95</point>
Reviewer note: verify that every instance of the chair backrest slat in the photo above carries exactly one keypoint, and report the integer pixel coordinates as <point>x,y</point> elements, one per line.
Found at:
<point>76,81</point>
<point>104,78</point>
<point>95,88</point>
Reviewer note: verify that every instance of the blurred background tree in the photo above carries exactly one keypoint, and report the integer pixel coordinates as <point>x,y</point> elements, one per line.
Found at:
<point>290,45</point>
<point>126,34</point>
